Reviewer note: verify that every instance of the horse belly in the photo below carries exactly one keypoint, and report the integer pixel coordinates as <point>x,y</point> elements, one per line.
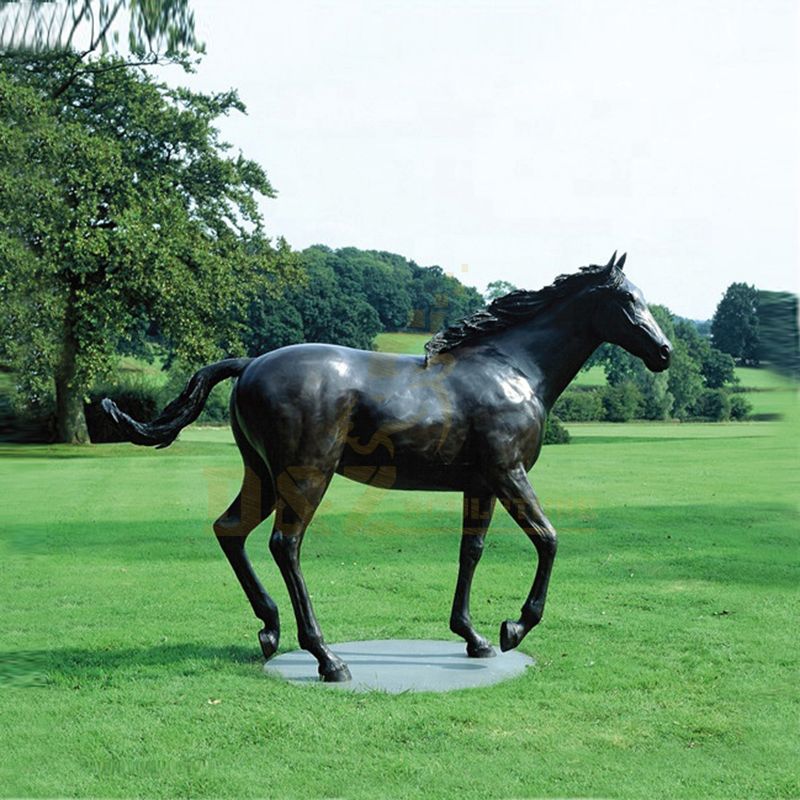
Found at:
<point>428,452</point>
<point>409,476</point>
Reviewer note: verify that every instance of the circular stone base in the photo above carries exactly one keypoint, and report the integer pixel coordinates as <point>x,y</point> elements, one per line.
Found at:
<point>402,665</point>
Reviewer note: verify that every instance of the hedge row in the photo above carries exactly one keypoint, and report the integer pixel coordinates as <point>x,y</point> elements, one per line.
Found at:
<point>624,402</point>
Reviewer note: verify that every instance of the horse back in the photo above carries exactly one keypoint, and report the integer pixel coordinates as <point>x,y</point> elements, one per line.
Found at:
<point>383,418</point>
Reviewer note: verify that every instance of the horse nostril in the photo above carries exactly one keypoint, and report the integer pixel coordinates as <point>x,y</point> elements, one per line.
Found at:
<point>666,351</point>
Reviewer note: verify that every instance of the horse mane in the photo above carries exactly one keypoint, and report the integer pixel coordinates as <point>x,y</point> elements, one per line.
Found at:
<point>520,306</point>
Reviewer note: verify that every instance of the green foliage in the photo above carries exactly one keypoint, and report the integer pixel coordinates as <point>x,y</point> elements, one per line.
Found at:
<point>734,328</point>
<point>684,380</point>
<point>740,407</point>
<point>382,279</point>
<point>154,26</point>
<point>438,299</point>
<point>622,401</point>
<point>580,406</point>
<point>657,400</point>
<point>24,423</point>
<point>350,295</point>
<point>121,212</point>
<point>272,324</point>
<point>779,340</point>
<point>754,325</point>
<point>716,367</point>
<point>555,431</point>
<point>713,405</point>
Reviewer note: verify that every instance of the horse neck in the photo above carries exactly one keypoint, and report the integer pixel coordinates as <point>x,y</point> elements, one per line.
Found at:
<point>551,347</point>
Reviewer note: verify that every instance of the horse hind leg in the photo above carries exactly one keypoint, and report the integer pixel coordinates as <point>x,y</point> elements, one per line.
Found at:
<point>254,503</point>
<point>476,519</point>
<point>300,491</point>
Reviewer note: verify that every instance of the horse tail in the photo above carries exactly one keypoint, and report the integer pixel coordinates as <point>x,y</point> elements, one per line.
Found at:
<point>163,430</point>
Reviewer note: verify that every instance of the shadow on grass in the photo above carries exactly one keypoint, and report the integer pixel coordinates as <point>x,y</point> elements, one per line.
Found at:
<point>45,667</point>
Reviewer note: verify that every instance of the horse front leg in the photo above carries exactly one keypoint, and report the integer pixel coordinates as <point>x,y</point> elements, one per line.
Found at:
<point>477,516</point>
<point>519,499</point>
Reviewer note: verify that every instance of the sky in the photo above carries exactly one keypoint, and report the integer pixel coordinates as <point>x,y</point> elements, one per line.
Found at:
<point>520,140</point>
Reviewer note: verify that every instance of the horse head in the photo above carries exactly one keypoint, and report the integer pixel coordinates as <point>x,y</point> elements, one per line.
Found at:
<point>622,317</point>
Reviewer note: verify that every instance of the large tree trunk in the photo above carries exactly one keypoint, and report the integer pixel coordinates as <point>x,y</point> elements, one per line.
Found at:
<point>70,418</point>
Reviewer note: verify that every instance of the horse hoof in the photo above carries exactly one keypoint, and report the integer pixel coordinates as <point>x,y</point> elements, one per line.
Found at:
<point>338,673</point>
<point>269,642</point>
<point>482,650</point>
<point>511,634</point>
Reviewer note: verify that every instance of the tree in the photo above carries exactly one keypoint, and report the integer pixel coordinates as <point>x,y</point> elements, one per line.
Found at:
<point>779,343</point>
<point>622,402</point>
<point>387,291</point>
<point>684,380</point>
<point>120,211</point>
<point>366,274</point>
<point>272,324</point>
<point>353,294</point>
<point>713,405</point>
<point>439,299</point>
<point>497,289</point>
<point>331,315</point>
<point>580,405</point>
<point>716,367</point>
<point>330,306</point>
<point>734,327</point>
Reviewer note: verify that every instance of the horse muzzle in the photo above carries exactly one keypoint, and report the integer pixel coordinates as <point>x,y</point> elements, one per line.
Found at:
<point>661,359</point>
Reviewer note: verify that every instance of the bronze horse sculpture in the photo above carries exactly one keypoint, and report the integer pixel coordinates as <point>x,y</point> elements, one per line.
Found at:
<point>468,417</point>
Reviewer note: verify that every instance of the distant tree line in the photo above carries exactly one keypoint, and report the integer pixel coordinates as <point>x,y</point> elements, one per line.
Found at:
<point>350,295</point>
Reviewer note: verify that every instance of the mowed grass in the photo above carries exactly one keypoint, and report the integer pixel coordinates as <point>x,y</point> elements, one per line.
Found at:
<point>763,378</point>
<point>666,664</point>
<point>401,342</point>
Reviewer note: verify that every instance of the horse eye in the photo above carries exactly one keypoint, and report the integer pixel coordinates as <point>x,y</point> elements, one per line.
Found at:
<point>629,297</point>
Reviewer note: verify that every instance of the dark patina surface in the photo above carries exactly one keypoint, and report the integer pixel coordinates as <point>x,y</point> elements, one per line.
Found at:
<point>468,417</point>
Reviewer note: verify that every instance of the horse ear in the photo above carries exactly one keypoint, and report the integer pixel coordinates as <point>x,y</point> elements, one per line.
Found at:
<point>621,263</point>
<point>613,259</point>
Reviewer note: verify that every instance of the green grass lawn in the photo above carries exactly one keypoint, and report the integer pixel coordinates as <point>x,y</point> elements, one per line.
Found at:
<point>405,343</point>
<point>594,376</point>
<point>763,378</point>
<point>666,665</point>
